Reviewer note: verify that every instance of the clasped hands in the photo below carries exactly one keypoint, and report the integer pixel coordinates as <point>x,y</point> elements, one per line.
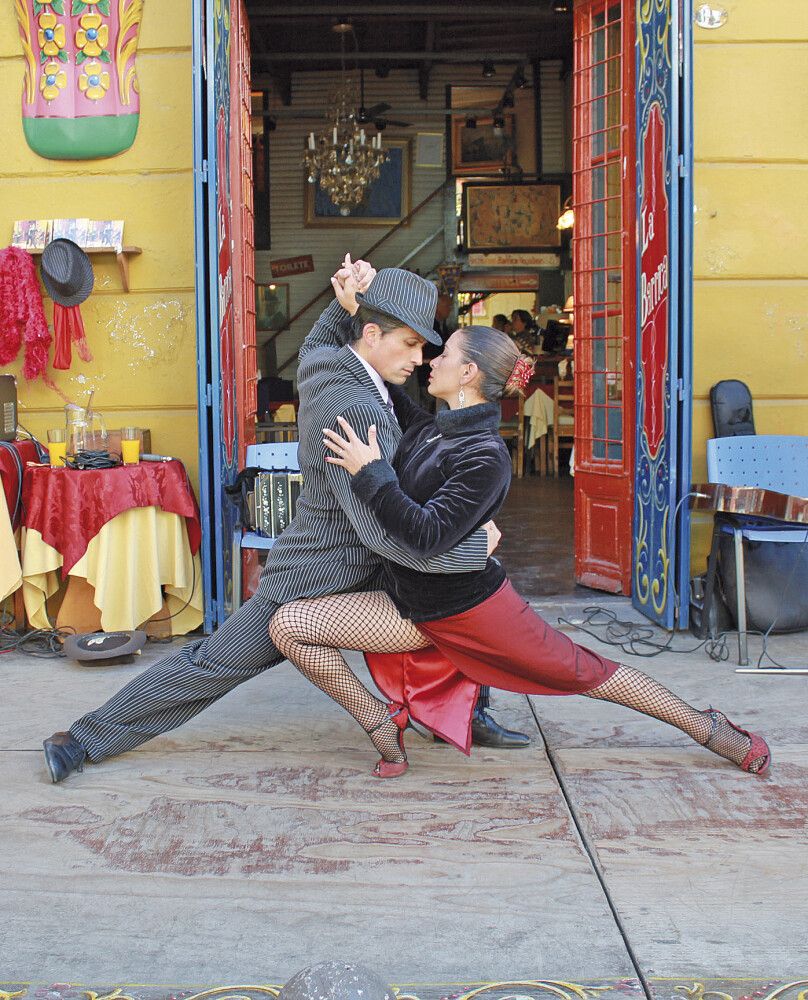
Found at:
<point>349,278</point>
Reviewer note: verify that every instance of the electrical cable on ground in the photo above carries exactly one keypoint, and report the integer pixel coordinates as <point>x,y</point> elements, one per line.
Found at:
<point>44,643</point>
<point>47,643</point>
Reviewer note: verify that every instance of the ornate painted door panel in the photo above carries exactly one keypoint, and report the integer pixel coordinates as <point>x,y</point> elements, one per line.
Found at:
<point>664,210</point>
<point>604,265</point>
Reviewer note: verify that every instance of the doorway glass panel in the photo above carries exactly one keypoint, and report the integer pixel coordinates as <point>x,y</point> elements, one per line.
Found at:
<point>599,236</point>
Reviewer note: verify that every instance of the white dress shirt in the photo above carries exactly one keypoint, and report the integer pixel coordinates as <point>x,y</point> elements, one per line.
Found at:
<point>377,379</point>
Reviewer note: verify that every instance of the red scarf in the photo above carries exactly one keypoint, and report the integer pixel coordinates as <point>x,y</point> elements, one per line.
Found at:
<point>68,325</point>
<point>22,318</point>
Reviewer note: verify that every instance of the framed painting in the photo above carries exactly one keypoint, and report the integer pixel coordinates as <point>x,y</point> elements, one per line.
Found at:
<point>511,216</point>
<point>387,200</point>
<point>271,306</point>
<point>483,149</point>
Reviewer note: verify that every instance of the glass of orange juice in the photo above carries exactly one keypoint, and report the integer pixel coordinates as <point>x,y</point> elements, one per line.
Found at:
<point>57,446</point>
<point>130,445</point>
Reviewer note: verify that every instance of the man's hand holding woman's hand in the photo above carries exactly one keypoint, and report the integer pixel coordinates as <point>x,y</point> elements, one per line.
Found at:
<point>350,278</point>
<point>351,452</point>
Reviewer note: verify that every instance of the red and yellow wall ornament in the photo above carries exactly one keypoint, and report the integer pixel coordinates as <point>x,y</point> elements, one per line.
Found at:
<point>80,97</point>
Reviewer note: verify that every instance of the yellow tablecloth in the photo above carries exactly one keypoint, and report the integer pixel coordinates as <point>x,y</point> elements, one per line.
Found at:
<point>10,570</point>
<point>131,558</point>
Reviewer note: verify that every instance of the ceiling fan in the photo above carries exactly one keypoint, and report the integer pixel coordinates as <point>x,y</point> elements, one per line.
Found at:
<point>375,113</point>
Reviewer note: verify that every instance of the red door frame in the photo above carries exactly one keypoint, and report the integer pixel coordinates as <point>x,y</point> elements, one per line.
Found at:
<point>241,187</point>
<point>243,224</point>
<point>604,484</point>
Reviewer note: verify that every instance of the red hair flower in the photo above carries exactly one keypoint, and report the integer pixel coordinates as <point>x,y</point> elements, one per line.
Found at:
<point>521,374</point>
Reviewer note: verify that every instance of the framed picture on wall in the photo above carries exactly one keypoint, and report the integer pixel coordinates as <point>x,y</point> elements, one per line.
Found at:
<point>511,216</point>
<point>386,202</point>
<point>482,149</point>
<point>271,306</point>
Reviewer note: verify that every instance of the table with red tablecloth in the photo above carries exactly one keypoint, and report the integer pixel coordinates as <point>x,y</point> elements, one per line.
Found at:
<point>133,532</point>
<point>68,507</point>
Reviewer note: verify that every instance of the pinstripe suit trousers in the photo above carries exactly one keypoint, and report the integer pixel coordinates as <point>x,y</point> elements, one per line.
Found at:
<point>181,685</point>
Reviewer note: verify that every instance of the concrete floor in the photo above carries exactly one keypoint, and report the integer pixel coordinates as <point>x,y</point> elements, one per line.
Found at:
<point>613,853</point>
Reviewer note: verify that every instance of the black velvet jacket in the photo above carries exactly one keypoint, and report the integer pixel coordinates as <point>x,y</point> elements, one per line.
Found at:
<point>449,475</point>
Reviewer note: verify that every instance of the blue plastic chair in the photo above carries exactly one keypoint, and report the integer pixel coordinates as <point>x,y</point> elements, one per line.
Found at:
<point>777,462</point>
<point>268,458</point>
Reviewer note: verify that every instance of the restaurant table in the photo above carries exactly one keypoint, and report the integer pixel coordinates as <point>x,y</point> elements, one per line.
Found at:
<point>132,532</point>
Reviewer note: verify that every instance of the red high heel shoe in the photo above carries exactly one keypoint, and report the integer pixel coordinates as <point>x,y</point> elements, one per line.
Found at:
<point>389,768</point>
<point>758,749</point>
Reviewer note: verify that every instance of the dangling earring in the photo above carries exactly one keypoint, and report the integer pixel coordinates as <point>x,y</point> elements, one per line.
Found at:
<point>461,399</point>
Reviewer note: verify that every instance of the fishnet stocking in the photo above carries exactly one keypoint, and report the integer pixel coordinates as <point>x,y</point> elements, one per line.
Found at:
<point>637,690</point>
<point>311,634</point>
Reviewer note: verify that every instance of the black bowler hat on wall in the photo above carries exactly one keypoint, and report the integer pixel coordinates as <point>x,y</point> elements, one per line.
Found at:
<point>66,272</point>
<point>406,297</point>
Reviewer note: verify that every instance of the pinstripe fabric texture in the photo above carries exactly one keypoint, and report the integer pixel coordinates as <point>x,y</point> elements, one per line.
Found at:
<point>334,544</point>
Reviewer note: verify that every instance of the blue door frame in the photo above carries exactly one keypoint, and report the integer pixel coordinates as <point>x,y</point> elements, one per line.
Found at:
<point>661,556</point>
<point>216,395</point>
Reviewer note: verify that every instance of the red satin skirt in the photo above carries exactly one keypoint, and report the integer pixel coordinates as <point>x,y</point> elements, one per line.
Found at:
<point>501,642</point>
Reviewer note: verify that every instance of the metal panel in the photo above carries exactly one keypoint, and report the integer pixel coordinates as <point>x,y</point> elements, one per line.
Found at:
<point>663,385</point>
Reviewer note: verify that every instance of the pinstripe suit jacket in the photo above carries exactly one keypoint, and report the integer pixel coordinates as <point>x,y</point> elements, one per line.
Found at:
<point>335,543</point>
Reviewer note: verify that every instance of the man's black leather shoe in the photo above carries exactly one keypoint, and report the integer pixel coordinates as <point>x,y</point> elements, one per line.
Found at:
<point>487,732</point>
<point>63,755</point>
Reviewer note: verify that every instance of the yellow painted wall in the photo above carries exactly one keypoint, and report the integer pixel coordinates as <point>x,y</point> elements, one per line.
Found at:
<point>751,238</point>
<point>143,343</point>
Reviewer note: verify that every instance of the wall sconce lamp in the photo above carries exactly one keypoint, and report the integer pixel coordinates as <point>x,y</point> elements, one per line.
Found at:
<point>488,69</point>
<point>567,218</point>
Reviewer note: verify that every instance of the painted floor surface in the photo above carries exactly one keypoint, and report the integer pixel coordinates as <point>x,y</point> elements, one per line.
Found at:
<point>254,841</point>
<point>623,989</point>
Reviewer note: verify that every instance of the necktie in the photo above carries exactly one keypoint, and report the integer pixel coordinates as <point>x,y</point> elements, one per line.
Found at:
<point>389,407</point>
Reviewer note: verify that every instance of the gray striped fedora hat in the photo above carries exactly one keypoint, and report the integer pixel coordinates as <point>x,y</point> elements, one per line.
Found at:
<point>406,297</point>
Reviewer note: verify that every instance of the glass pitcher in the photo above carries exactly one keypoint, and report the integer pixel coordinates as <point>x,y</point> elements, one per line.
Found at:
<point>85,430</point>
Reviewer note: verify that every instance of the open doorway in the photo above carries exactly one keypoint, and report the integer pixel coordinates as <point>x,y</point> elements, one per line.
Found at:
<point>551,89</point>
<point>537,520</point>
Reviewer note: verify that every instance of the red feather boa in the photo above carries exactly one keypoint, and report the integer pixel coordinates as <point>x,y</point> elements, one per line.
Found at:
<point>22,318</point>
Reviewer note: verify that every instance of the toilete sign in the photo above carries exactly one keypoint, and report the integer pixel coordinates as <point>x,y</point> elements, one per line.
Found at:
<point>291,265</point>
<point>654,280</point>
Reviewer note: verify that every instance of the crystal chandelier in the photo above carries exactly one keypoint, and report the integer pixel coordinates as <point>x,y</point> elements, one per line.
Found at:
<point>342,157</point>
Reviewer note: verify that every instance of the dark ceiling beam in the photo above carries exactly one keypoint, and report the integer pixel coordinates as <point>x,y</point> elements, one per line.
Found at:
<point>260,83</point>
<point>409,12</point>
<point>425,68</point>
<point>417,57</point>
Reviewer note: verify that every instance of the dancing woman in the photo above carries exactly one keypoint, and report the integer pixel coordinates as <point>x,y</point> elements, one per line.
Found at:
<point>449,476</point>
